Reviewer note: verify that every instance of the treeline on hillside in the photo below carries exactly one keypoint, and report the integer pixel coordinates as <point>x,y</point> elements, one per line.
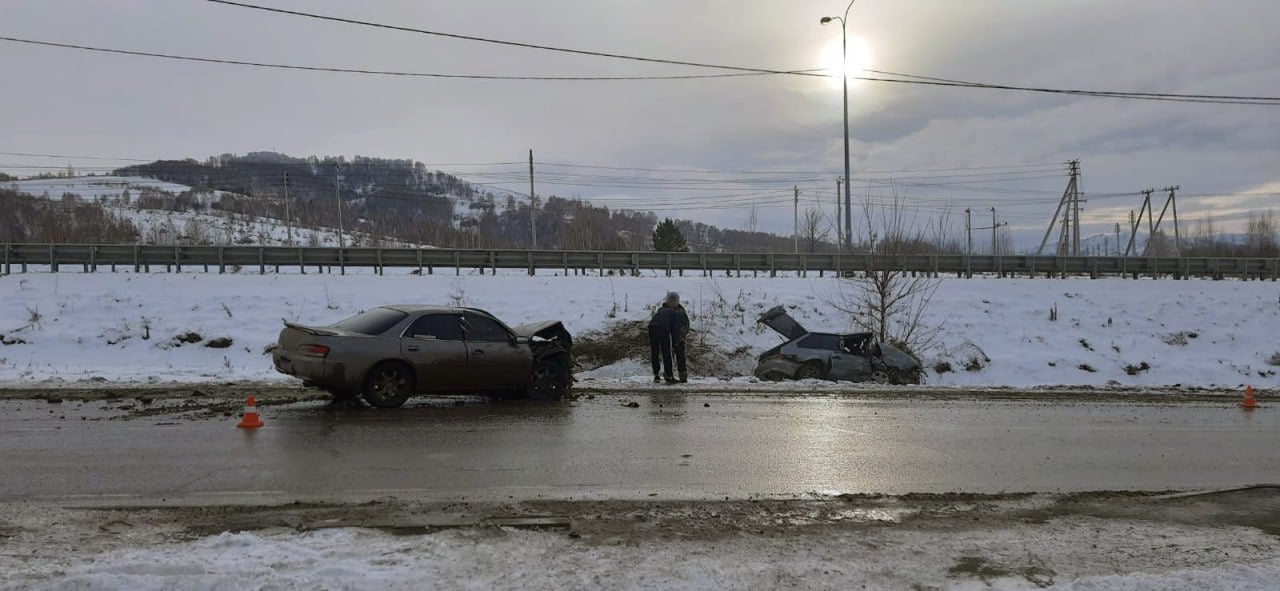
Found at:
<point>30,219</point>
<point>403,200</point>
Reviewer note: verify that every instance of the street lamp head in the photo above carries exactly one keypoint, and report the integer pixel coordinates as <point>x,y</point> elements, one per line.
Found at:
<point>825,20</point>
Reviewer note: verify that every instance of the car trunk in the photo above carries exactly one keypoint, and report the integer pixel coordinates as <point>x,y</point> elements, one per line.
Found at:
<point>294,335</point>
<point>778,319</point>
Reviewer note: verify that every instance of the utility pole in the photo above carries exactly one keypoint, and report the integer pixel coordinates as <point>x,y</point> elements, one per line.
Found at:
<point>1118,236</point>
<point>1133,224</point>
<point>796,212</point>
<point>342,241</point>
<point>994,227</point>
<point>1075,199</point>
<point>968,231</point>
<point>839,226</point>
<point>1069,240</point>
<point>533,208</point>
<point>288,221</point>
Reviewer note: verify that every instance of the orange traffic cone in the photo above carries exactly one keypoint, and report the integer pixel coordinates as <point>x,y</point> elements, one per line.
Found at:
<point>1248,403</point>
<point>250,420</point>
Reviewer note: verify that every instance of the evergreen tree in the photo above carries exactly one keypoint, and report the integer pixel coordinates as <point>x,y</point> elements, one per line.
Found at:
<point>667,238</point>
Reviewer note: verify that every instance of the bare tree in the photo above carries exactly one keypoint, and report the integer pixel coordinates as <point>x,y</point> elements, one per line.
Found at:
<point>1261,235</point>
<point>812,230</point>
<point>887,301</point>
<point>1004,242</point>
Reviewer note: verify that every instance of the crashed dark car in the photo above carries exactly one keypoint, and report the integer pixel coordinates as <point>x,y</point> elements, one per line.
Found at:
<point>388,354</point>
<point>854,357</point>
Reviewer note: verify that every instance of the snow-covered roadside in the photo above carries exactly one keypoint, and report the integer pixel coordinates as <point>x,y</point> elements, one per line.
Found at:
<point>70,327</point>
<point>1064,553</point>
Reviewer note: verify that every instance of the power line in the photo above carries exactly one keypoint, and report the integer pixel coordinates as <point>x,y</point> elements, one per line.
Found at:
<point>512,43</point>
<point>209,60</point>
<point>740,72</point>
<point>913,79</point>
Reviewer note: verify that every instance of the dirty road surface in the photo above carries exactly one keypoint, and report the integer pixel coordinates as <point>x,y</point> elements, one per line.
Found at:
<point>658,446</point>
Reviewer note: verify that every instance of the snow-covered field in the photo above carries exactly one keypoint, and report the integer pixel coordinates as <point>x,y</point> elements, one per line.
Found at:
<point>71,327</point>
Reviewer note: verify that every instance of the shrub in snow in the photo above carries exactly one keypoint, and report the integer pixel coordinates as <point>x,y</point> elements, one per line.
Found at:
<point>1134,370</point>
<point>187,338</point>
<point>1086,367</point>
<point>1275,359</point>
<point>942,367</point>
<point>219,343</point>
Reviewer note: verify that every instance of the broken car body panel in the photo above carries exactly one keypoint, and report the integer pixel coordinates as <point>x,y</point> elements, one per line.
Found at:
<point>839,357</point>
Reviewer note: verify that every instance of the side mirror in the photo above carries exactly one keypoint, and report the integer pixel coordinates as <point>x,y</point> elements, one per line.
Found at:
<point>522,340</point>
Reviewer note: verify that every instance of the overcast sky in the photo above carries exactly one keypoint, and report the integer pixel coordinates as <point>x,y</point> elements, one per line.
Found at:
<point>63,101</point>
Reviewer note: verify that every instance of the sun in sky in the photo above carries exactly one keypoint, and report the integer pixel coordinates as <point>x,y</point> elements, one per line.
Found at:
<point>859,59</point>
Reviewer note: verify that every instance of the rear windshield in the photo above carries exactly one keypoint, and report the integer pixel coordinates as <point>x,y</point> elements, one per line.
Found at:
<point>373,322</point>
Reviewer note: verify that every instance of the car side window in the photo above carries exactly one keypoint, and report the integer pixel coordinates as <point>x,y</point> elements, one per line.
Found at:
<point>823,342</point>
<point>479,328</point>
<point>439,327</point>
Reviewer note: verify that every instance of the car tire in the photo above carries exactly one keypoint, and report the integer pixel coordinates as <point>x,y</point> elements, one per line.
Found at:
<point>388,385</point>
<point>810,371</point>
<point>548,381</point>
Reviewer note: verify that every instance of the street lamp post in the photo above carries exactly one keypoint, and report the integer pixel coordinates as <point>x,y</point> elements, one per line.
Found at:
<point>844,72</point>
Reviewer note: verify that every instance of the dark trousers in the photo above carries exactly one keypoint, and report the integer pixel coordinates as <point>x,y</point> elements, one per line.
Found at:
<point>660,343</point>
<point>677,347</point>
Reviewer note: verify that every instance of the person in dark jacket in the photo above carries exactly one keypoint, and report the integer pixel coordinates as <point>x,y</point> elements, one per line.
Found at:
<point>665,323</point>
<point>679,336</point>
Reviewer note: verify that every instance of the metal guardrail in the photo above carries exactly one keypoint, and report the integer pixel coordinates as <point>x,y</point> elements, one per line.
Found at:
<point>93,257</point>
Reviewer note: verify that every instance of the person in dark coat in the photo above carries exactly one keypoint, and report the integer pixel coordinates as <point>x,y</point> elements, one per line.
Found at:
<point>679,336</point>
<point>665,323</point>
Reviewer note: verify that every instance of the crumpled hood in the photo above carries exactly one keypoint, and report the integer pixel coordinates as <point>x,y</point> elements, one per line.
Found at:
<point>550,330</point>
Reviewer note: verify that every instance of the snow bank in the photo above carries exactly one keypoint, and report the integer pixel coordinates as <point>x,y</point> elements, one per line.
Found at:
<point>1020,557</point>
<point>122,326</point>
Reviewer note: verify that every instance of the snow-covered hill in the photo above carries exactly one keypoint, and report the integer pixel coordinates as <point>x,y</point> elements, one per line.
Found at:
<point>119,196</point>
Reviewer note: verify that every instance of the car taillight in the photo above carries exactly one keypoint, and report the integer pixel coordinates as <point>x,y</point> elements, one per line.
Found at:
<point>314,350</point>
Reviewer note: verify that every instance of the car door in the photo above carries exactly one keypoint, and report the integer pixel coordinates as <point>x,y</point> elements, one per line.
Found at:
<point>493,357</point>
<point>434,345</point>
<point>849,362</point>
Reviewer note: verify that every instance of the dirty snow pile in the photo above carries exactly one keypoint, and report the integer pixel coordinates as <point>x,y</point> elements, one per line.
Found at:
<point>1076,557</point>
<point>192,327</point>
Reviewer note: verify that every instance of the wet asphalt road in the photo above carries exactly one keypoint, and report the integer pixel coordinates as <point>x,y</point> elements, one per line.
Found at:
<point>672,446</point>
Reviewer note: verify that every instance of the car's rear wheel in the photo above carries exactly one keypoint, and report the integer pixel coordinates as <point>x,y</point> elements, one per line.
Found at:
<point>388,385</point>
<point>810,371</point>
<point>880,376</point>
<point>550,380</point>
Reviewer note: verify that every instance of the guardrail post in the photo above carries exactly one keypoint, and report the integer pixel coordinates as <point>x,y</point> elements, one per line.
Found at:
<point>773,270</point>
<point>600,262</point>
<point>457,263</point>
<point>493,263</point>
<point>668,264</point>
<point>136,267</point>
<point>635,264</point>
<point>262,263</point>
<point>302,267</point>
<point>93,257</point>
<point>419,261</point>
<point>1093,273</point>
<point>968,267</point>
<point>8,265</point>
<point>564,261</point>
<point>177,258</point>
<point>342,260</point>
<point>53,261</point>
<point>222,259</point>
<point>804,265</point>
<point>378,254</point>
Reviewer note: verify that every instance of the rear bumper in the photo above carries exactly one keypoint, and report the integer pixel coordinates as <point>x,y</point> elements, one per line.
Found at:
<point>313,370</point>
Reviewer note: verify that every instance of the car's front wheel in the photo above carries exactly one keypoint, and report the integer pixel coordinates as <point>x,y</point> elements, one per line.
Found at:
<point>549,381</point>
<point>809,371</point>
<point>388,385</point>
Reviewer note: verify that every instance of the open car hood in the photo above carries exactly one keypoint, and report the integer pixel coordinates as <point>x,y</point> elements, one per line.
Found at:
<point>551,330</point>
<point>778,319</point>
